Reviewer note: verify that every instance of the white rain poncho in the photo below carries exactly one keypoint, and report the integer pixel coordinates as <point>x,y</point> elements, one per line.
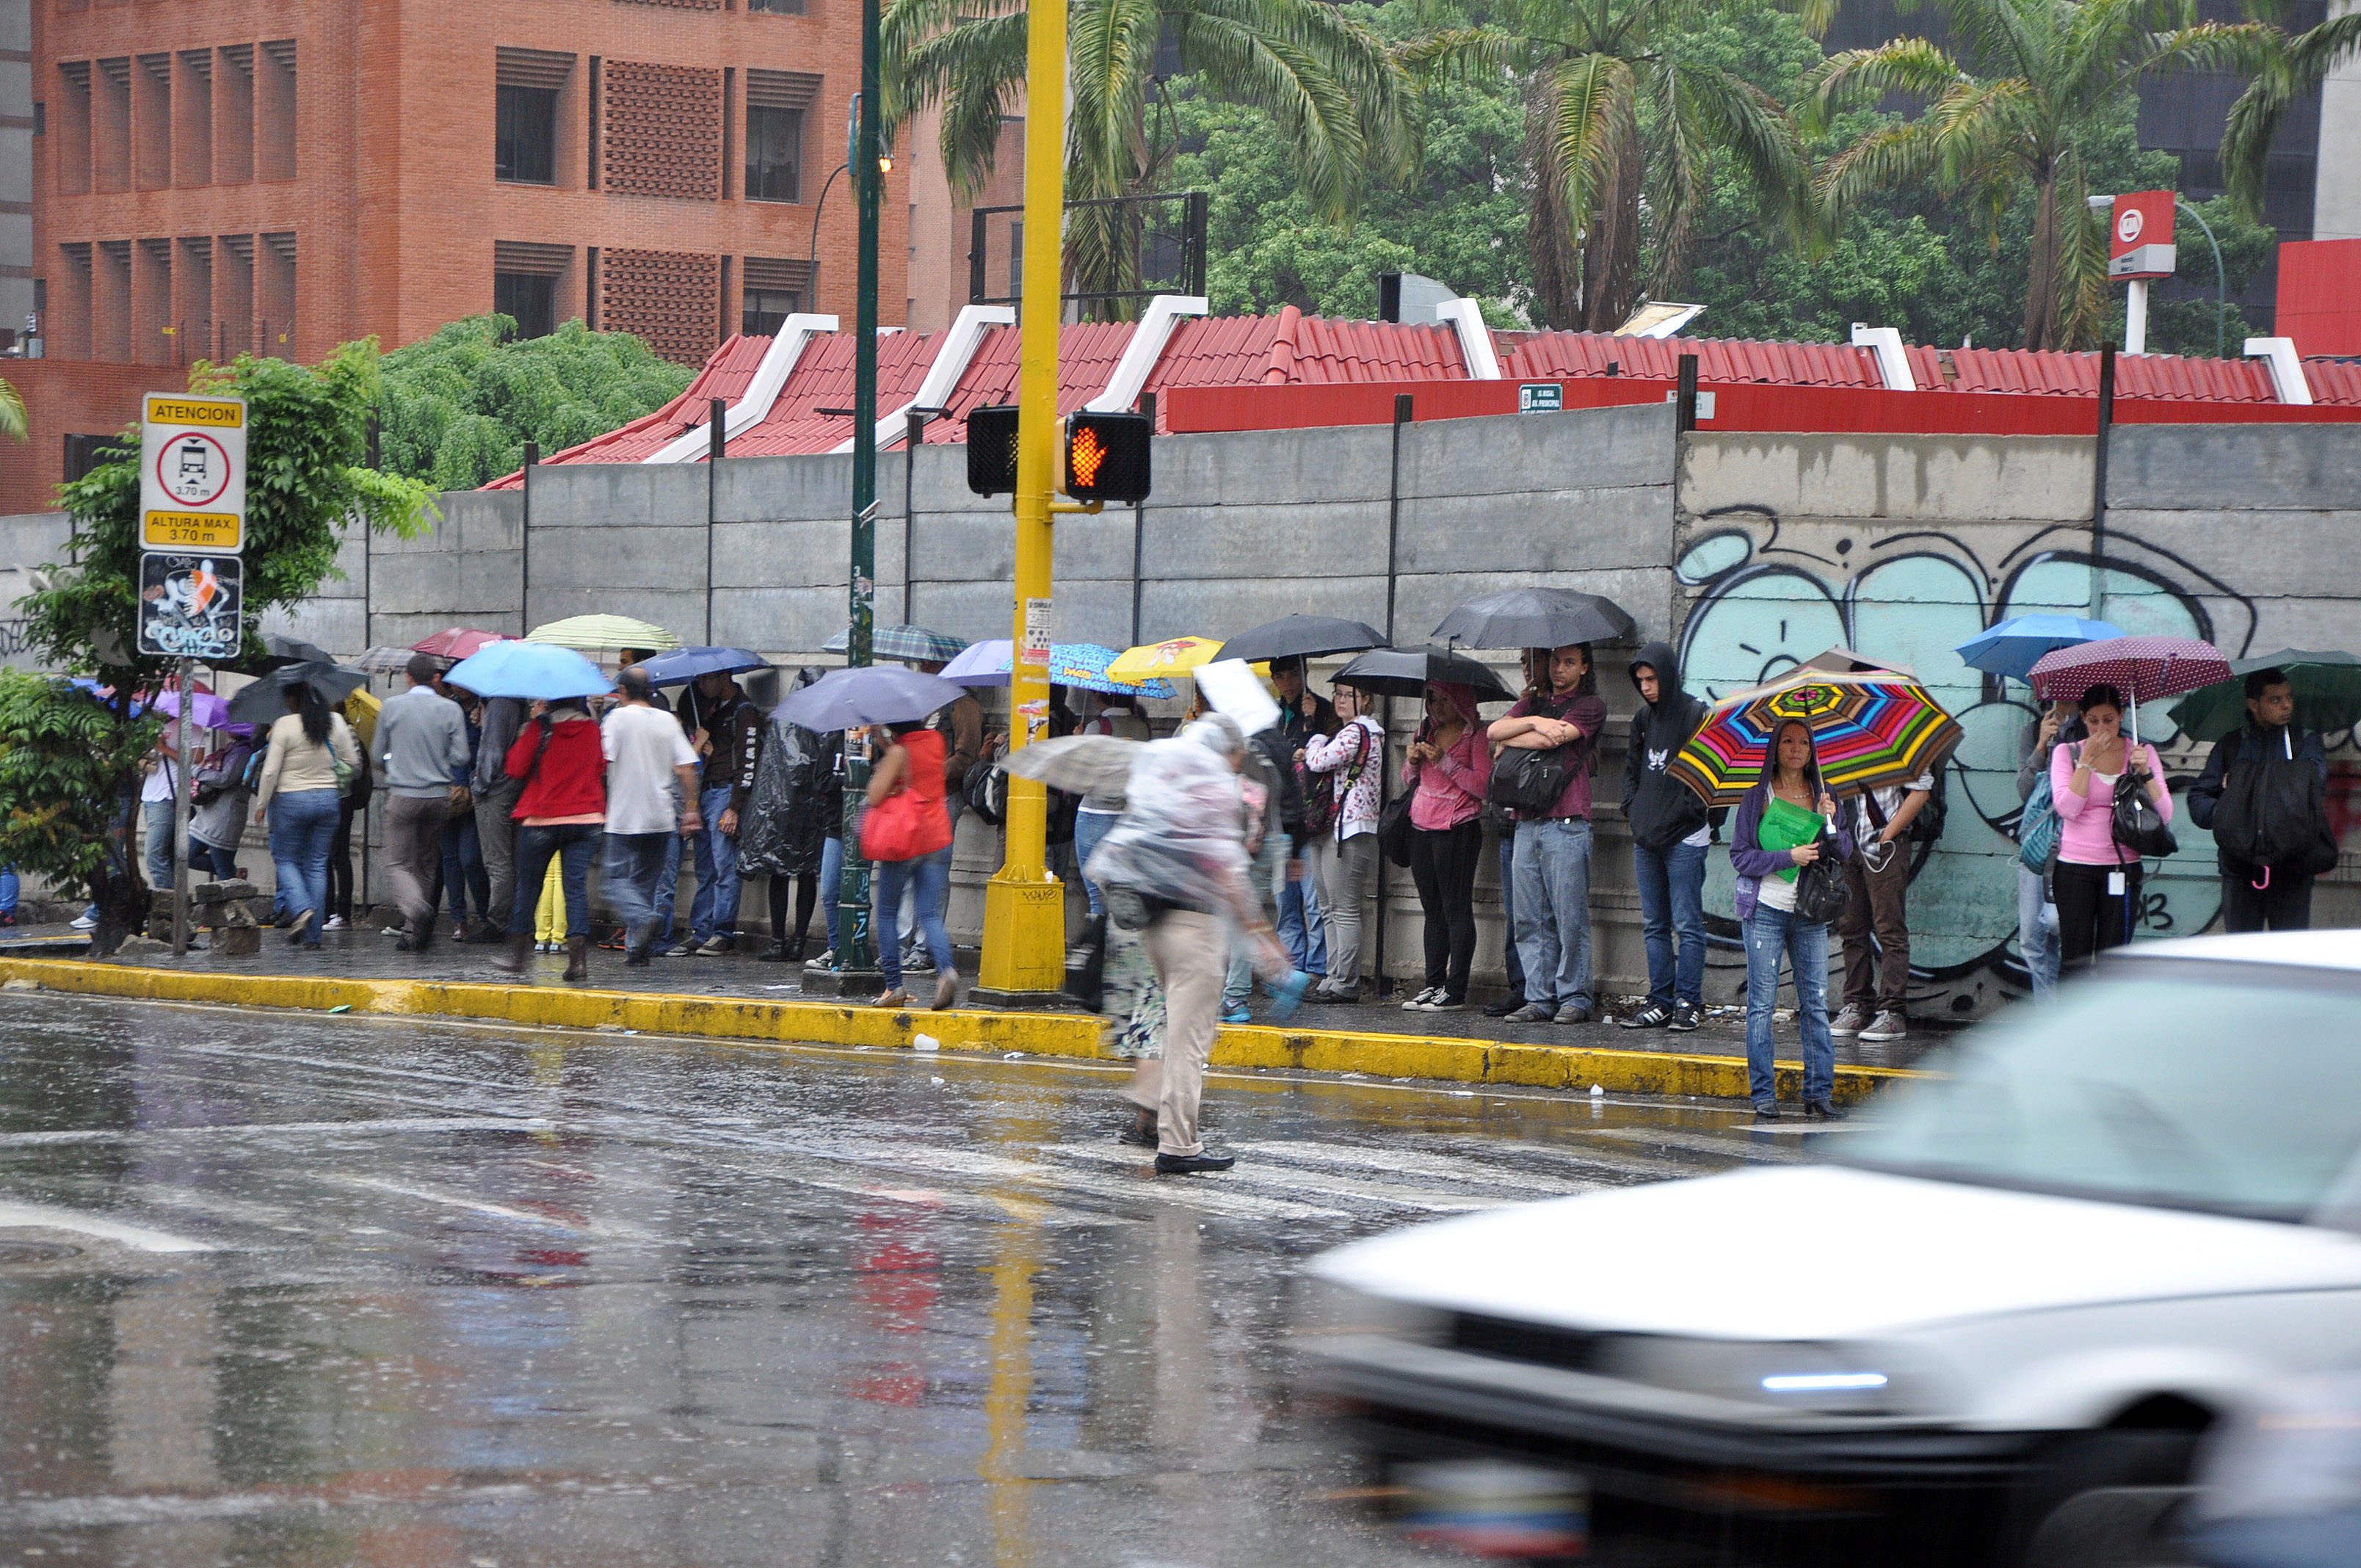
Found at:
<point>1181,838</point>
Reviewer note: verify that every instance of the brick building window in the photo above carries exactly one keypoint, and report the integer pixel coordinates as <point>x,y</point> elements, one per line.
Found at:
<point>73,127</point>
<point>775,105</point>
<point>152,119</point>
<point>234,296</point>
<point>110,130</point>
<point>524,144</point>
<point>274,288</point>
<point>274,111</point>
<point>777,7</point>
<point>525,278</point>
<point>234,116</point>
<point>193,119</point>
<point>775,288</point>
<point>662,130</point>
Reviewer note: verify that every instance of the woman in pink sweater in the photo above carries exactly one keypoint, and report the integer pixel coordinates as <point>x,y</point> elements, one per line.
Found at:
<point>1448,767</point>
<point>2097,880</point>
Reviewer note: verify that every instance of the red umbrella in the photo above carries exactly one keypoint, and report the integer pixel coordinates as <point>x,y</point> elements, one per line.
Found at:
<point>458,642</point>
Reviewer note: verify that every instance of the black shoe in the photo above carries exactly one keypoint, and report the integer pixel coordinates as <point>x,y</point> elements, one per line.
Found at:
<point>405,943</point>
<point>1686,1015</point>
<point>1502,1008</point>
<point>1823,1110</point>
<point>1766,1113</point>
<point>776,953</point>
<point>423,937</point>
<point>1138,1136</point>
<point>1190,1164</point>
<point>1655,1015</point>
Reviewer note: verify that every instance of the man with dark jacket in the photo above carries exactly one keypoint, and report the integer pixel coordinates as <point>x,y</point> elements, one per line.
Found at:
<point>1670,832</point>
<point>1302,715</point>
<point>730,738</point>
<point>2268,897</point>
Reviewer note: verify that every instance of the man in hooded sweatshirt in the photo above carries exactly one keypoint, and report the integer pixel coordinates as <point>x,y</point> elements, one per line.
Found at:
<point>1670,832</point>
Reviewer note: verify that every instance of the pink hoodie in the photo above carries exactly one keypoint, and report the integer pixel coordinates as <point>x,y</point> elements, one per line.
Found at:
<point>1451,790</point>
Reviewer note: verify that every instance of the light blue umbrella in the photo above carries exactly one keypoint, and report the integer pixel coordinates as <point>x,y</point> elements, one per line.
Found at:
<point>2014,646</point>
<point>529,669</point>
<point>1080,664</point>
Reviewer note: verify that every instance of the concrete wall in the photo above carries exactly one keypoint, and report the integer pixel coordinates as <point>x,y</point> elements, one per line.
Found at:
<point>1750,552</point>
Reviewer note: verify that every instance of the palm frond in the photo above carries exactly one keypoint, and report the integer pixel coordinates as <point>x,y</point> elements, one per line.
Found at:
<point>1896,155</point>
<point>1851,76</point>
<point>1592,117</point>
<point>14,422</point>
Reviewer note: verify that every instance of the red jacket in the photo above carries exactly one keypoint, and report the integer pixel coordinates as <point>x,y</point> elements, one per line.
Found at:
<point>572,778</point>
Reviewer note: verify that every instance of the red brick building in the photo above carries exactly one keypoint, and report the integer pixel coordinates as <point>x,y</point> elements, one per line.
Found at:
<point>212,176</point>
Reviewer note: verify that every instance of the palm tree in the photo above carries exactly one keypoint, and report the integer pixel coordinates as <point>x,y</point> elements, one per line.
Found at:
<point>1621,121</point>
<point>13,424</point>
<point>2033,82</point>
<point>1344,104</point>
<point>2291,72</point>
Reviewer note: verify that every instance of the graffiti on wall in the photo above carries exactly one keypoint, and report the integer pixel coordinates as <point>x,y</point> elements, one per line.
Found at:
<point>1765,594</point>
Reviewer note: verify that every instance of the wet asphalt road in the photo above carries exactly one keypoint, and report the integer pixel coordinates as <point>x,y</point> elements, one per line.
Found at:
<point>322,1291</point>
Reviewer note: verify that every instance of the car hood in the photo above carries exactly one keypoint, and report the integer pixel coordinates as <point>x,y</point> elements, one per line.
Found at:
<point>1823,1251</point>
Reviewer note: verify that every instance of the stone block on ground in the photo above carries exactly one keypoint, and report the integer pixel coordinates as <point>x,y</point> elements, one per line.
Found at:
<point>237,941</point>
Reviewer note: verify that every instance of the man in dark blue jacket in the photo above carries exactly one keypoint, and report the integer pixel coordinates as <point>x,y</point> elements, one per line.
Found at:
<point>2265,897</point>
<point>1670,832</point>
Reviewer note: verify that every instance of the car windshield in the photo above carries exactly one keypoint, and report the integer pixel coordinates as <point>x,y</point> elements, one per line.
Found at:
<point>2229,1088</point>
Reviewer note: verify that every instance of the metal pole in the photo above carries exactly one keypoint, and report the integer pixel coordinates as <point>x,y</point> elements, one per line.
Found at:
<point>852,898</point>
<point>2099,483</point>
<point>524,539</point>
<point>1393,559</point>
<point>1139,528</point>
<point>718,442</point>
<point>914,436</point>
<point>1685,395</point>
<point>2135,317</point>
<point>183,799</point>
<point>1023,908</point>
<point>2221,286</point>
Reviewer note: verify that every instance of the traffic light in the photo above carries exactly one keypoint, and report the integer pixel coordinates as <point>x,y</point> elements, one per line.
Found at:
<point>991,450</point>
<point>1103,456</point>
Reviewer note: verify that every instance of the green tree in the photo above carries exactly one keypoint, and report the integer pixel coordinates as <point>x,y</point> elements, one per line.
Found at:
<point>1343,105</point>
<point>61,749</point>
<point>2291,72</point>
<point>306,434</point>
<point>460,405</point>
<point>2015,109</point>
<point>12,412</point>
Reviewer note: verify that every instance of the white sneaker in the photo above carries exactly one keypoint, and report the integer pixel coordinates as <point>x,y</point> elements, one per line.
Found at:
<point>1851,1020</point>
<point>83,923</point>
<point>336,923</point>
<point>1890,1025</point>
<point>1423,1000</point>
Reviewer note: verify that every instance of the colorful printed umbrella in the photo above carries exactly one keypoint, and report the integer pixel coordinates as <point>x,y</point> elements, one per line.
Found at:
<point>1177,656</point>
<point>1080,664</point>
<point>1871,730</point>
<point>914,643</point>
<point>2327,688</point>
<point>2144,668</point>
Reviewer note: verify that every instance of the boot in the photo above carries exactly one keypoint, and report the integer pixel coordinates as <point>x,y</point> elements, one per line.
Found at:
<point>637,943</point>
<point>422,935</point>
<point>775,953</point>
<point>519,954</point>
<point>577,959</point>
<point>796,949</point>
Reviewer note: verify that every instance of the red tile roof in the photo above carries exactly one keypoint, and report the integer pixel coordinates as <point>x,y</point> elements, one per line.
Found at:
<point>1294,349</point>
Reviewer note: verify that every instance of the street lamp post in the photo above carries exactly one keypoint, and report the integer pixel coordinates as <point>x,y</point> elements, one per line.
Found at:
<point>868,178</point>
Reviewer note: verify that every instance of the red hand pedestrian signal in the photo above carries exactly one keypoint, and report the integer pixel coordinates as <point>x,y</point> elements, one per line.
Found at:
<point>1105,457</point>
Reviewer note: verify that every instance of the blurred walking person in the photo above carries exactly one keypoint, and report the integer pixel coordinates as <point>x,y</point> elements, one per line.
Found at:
<point>2037,910</point>
<point>1787,822</point>
<point>495,799</point>
<point>299,802</point>
<point>1553,840</point>
<point>1671,829</point>
<point>219,818</point>
<point>2098,880</point>
<point>646,755</point>
<point>1303,715</point>
<point>1447,768</point>
<point>560,814</point>
<point>1344,852</point>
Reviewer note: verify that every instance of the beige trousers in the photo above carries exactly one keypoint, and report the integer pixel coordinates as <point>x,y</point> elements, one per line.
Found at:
<point>1191,956</point>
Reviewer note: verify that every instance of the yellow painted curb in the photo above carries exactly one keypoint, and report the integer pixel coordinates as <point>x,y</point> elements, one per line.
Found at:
<point>1446,1059</point>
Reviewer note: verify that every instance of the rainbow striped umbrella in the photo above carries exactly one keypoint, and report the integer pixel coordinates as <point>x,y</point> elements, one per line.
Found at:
<point>1871,730</point>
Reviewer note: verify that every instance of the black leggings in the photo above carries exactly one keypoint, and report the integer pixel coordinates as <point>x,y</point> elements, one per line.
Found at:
<point>807,895</point>
<point>1443,865</point>
<point>340,865</point>
<point>2089,918</point>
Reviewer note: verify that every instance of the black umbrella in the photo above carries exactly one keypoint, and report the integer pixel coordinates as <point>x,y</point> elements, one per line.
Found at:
<point>263,702</point>
<point>1404,672</point>
<point>279,651</point>
<point>1534,618</point>
<point>1301,637</point>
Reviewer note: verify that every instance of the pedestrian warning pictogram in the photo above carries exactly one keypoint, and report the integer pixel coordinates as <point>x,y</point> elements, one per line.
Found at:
<point>1105,457</point>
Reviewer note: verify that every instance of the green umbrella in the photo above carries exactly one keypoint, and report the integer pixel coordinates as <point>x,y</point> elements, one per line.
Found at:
<point>2327,694</point>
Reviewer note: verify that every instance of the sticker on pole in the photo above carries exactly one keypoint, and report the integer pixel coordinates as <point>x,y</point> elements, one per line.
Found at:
<point>192,473</point>
<point>190,606</point>
<point>1036,633</point>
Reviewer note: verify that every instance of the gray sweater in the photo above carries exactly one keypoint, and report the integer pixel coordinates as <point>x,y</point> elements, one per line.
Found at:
<point>421,738</point>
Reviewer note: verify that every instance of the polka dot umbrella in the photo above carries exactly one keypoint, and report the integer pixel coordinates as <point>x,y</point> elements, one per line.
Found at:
<point>2142,668</point>
<point>1873,728</point>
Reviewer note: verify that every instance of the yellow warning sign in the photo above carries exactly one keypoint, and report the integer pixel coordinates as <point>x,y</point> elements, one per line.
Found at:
<point>191,531</point>
<point>222,413</point>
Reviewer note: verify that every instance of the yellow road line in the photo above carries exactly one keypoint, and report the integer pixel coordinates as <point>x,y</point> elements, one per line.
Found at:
<point>1444,1059</point>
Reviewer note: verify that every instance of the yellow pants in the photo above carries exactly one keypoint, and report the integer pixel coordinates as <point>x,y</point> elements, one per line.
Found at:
<point>549,915</point>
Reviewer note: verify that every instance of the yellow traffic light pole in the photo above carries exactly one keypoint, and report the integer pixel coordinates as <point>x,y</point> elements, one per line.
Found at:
<point>1023,907</point>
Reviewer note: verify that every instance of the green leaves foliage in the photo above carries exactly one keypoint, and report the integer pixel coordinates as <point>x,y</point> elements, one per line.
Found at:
<point>64,760</point>
<point>460,405</point>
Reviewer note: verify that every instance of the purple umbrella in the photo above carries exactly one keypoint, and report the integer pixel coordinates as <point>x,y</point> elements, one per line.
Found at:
<point>210,712</point>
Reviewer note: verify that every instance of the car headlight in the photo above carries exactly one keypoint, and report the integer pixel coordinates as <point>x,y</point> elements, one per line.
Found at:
<point>1805,1377</point>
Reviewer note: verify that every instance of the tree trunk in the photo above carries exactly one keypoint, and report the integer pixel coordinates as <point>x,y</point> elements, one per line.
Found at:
<point>1610,252</point>
<point>2041,323</point>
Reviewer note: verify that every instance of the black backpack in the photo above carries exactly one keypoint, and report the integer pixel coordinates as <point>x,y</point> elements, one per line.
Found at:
<point>2274,813</point>
<point>1530,782</point>
<point>986,787</point>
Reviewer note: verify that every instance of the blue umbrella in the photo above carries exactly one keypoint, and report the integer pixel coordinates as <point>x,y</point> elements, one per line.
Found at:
<point>872,694</point>
<point>2014,646</point>
<point>684,664</point>
<point>1070,664</point>
<point>529,669</point>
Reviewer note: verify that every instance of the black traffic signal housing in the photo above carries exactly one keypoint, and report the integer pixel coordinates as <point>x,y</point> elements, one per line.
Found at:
<point>992,449</point>
<point>1105,457</point>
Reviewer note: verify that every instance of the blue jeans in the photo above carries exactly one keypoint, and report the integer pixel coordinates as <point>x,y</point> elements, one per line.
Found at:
<point>668,887</point>
<point>1237,985</point>
<point>303,829</point>
<point>714,911</point>
<point>634,862</point>
<point>572,843</point>
<point>1552,911</point>
<point>1515,962</point>
<point>1770,934</point>
<point>1301,929</point>
<point>2036,932</point>
<point>931,877</point>
<point>1089,827</point>
<point>212,859</point>
<point>832,879</point>
<point>463,867</point>
<point>158,815</point>
<point>1671,902</point>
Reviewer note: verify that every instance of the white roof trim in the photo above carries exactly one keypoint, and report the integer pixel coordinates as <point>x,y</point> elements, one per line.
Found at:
<point>2279,357</point>
<point>779,361</point>
<point>1146,347</point>
<point>1892,359</point>
<point>1466,318</point>
<point>955,354</point>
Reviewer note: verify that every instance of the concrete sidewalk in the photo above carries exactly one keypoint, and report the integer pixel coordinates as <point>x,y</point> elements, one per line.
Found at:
<point>737,996</point>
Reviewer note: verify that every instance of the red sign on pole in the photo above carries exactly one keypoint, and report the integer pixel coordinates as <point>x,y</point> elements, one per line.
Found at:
<point>2139,236</point>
